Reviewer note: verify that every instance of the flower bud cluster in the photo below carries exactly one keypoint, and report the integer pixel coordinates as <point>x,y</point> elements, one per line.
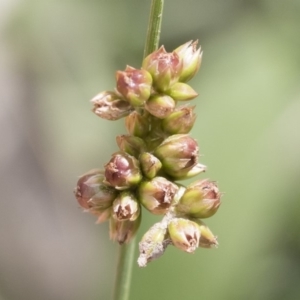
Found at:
<point>156,152</point>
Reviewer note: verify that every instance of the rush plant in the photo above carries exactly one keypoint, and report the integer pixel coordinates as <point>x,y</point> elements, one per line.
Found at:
<point>154,155</point>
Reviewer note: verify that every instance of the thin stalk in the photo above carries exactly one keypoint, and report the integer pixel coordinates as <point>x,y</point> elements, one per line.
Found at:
<point>154,26</point>
<point>126,252</point>
<point>124,271</point>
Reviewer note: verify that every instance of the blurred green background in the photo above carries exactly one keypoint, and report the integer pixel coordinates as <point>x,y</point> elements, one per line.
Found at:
<point>56,55</point>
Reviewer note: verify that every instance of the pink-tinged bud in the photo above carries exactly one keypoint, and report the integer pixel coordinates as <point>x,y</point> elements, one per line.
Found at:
<point>160,106</point>
<point>178,152</point>
<point>207,239</point>
<point>181,92</point>
<point>200,200</point>
<point>126,207</point>
<point>189,173</point>
<point>122,171</point>
<point>135,85</point>
<point>179,121</point>
<point>164,67</point>
<point>191,58</point>
<point>137,124</point>
<point>92,194</point>
<point>157,194</point>
<point>132,145</point>
<point>123,231</point>
<point>108,105</point>
<point>153,244</point>
<point>150,164</point>
<point>104,215</point>
<point>185,234</point>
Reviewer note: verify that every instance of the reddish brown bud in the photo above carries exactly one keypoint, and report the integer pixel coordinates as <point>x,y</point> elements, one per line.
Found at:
<point>178,152</point>
<point>135,85</point>
<point>126,207</point>
<point>108,105</point>
<point>180,121</point>
<point>157,194</point>
<point>137,124</point>
<point>122,171</point>
<point>92,194</point>
<point>164,67</point>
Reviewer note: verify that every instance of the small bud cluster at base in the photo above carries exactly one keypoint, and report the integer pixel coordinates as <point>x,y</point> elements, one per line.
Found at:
<point>156,152</point>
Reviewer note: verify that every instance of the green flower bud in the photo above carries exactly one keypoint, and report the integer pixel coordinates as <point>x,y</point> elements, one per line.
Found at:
<point>200,200</point>
<point>160,106</point>
<point>135,85</point>
<point>157,194</point>
<point>191,58</point>
<point>150,164</point>
<point>185,234</point>
<point>189,173</point>
<point>178,152</point>
<point>153,244</point>
<point>181,92</point>
<point>207,239</point>
<point>123,231</point>
<point>132,145</point>
<point>164,67</point>
<point>126,207</point>
<point>92,194</point>
<point>179,121</point>
<point>137,124</point>
<point>108,105</point>
<point>155,138</point>
<point>122,171</point>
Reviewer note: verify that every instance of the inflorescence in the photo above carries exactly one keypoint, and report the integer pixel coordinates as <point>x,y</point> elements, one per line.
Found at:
<point>153,156</point>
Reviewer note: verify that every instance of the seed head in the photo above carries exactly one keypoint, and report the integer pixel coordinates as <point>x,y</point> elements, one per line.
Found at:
<point>191,58</point>
<point>126,207</point>
<point>185,234</point>
<point>164,67</point>
<point>179,121</point>
<point>122,171</point>
<point>135,85</point>
<point>137,124</point>
<point>200,200</point>
<point>110,106</point>
<point>178,152</point>
<point>92,194</point>
<point>157,194</point>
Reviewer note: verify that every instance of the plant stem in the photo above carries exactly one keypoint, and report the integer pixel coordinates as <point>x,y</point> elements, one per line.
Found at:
<point>126,252</point>
<point>154,26</point>
<point>124,271</point>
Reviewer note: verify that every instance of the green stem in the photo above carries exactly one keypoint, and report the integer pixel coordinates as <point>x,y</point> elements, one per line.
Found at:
<point>126,252</point>
<point>154,26</point>
<point>124,271</point>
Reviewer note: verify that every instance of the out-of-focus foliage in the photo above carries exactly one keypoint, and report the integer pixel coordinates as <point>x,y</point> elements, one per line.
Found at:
<point>56,55</point>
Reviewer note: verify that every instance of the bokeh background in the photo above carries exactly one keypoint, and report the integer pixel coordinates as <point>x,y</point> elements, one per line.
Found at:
<point>56,55</point>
